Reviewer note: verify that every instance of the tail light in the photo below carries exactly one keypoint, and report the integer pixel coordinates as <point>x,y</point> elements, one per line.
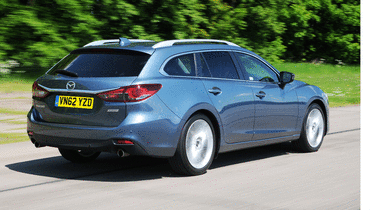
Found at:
<point>133,93</point>
<point>124,141</point>
<point>38,91</point>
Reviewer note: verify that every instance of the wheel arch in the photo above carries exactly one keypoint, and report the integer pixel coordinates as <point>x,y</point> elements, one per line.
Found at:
<point>325,112</point>
<point>215,123</point>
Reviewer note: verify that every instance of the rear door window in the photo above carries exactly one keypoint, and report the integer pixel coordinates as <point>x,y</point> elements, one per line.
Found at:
<point>202,68</point>
<point>220,65</point>
<point>102,63</point>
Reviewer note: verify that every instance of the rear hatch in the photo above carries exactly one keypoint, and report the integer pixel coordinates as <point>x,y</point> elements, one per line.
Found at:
<point>82,89</point>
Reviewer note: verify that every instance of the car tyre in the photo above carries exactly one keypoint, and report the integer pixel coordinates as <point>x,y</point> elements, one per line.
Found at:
<point>196,147</point>
<point>313,130</point>
<point>78,156</point>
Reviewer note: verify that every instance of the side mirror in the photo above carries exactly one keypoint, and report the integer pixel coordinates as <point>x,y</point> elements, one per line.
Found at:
<point>286,77</point>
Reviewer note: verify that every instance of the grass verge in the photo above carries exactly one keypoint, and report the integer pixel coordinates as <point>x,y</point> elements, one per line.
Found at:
<point>6,138</point>
<point>13,121</point>
<point>341,83</point>
<point>13,112</point>
<point>16,84</point>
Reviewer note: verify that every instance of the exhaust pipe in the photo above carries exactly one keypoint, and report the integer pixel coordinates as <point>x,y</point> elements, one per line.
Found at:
<point>121,153</point>
<point>36,144</point>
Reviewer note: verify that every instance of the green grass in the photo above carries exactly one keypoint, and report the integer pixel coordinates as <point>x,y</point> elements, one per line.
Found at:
<point>341,83</point>
<point>13,112</point>
<point>14,121</point>
<point>17,84</point>
<point>6,138</point>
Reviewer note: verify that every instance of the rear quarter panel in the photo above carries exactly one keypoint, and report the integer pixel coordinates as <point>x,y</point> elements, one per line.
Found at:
<point>184,96</point>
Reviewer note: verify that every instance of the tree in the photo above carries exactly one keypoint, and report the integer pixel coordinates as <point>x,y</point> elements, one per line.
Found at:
<point>42,33</point>
<point>326,29</point>
<point>37,33</point>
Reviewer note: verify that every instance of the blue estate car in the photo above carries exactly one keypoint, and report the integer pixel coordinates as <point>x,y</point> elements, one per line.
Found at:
<point>185,100</point>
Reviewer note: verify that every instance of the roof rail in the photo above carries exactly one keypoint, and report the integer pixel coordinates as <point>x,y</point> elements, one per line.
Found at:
<point>170,43</point>
<point>115,41</point>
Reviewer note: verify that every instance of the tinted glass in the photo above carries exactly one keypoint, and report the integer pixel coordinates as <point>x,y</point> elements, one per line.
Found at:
<point>182,66</point>
<point>203,70</point>
<point>255,70</point>
<point>102,63</point>
<point>221,65</point>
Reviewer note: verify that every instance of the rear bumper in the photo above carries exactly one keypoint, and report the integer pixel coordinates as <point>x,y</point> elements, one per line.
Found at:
<point>97,145</point>
<point>154,132</point>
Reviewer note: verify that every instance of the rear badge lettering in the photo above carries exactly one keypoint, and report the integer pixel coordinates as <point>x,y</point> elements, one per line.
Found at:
<point>112,110</point>
<point>40,106</point>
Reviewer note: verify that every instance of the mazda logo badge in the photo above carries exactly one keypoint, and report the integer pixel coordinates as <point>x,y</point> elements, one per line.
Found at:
<point>70,85</point>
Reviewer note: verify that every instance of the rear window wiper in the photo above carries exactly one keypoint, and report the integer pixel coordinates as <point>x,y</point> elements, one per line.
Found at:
<point>67,73</point>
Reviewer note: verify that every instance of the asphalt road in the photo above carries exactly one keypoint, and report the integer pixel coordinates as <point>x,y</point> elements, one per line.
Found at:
<point>271,177</point>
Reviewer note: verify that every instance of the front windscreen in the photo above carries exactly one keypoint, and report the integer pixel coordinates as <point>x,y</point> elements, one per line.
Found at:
<point>102,63</point>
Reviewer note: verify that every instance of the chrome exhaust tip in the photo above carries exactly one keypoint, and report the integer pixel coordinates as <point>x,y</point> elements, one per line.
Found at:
<point>37,145</point>
<point>122,153</point>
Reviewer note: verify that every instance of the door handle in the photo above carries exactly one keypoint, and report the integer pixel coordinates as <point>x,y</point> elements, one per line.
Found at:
<point>260,94</point>
<point>215,90</point>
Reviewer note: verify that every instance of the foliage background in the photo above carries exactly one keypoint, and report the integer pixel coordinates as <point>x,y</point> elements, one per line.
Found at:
<point>37,33</point>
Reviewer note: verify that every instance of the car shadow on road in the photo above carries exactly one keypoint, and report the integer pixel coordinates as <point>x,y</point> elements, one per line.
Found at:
<point>110,168</point>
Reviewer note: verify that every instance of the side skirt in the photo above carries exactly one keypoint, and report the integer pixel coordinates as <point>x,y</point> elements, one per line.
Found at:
<point>249,144</point>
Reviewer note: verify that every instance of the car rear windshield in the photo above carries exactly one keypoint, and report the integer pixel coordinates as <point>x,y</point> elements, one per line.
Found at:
<point>102,63</point>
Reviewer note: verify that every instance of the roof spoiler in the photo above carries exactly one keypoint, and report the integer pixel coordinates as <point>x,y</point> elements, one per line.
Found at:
<point>122,41</point>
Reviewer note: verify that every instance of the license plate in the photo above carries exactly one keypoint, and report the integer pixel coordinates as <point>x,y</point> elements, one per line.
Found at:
<point>74,102</point>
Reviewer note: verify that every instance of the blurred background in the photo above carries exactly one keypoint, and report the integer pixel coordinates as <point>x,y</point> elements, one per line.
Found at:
<point>35,34</point>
